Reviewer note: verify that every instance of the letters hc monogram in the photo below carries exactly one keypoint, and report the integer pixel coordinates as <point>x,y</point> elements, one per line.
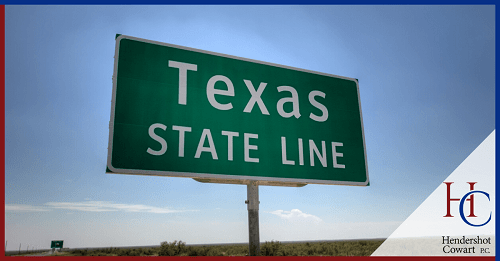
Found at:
<point>462,201</point>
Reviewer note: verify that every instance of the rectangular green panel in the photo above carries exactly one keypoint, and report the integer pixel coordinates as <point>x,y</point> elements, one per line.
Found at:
<point>56,244</point>
<point>178,111</point>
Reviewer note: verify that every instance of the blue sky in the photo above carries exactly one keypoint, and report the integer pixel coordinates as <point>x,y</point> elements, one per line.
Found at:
<point>427,86</point>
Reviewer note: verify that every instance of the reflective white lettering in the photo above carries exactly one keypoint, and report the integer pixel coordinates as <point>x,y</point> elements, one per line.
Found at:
<point>157,138</point>
<point>314,150</point>
<point>183,68</point>
<point>255,97</point>
<point>248,147</point>
<point>211,148</point>
<point>181,130</point>
<point>301,152</point>
<point>294,100</point>
<point>337,154</point>
<point>230,136</point>
<point>283,153</point>
<point>211,92</point>
<point>318,105</point>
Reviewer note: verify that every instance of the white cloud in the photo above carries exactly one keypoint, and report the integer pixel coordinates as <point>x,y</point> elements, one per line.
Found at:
<point>24,208</point>
<point>108,206</point>
<point>92,206</point>
<point>295,215</point>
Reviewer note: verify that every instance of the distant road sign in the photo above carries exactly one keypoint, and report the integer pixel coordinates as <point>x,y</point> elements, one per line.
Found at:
<point>56,244</point>
<point>178,111</point>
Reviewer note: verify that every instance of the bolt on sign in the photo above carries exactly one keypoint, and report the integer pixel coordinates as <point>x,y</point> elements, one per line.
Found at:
<point>184,112</point>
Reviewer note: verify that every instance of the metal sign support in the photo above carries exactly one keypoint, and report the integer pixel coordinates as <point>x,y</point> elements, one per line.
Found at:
<point>253,218</point>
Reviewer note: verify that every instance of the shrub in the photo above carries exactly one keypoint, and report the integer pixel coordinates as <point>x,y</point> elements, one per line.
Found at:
<point>214,251</point>
<point>172,249</point>
<point>147,251</point>
<point>332,251</point>
<point>135,252</point>
<point>237,250</point>
<point>271,249</point>
<point>123,252</point>
<point>79,252</point>
<point>192,251</point>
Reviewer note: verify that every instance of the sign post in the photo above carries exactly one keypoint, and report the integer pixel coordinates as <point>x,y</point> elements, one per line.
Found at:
<point>216,118</point>
<point>253,218</point>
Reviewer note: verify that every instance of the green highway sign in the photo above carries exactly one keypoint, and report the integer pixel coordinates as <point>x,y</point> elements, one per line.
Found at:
<point>56,244</point>
<point>183,112</point>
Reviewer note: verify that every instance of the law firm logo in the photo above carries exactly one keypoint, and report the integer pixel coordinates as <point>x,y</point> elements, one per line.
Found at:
<point>469,196</point>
